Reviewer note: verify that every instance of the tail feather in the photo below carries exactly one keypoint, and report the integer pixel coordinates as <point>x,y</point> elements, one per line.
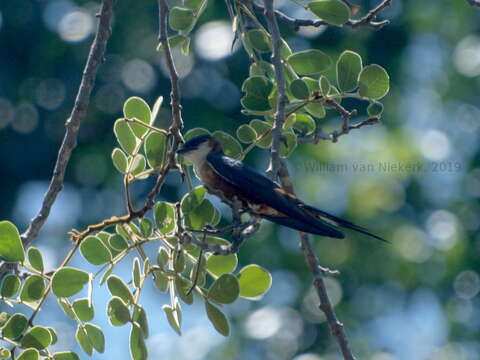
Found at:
<point>329,218</point>
<point>312,227</point>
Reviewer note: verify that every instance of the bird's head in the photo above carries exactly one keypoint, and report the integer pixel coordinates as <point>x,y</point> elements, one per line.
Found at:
<point>197,148</point>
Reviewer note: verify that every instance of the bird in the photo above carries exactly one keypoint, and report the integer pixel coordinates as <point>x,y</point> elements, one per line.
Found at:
<point>236,183</point>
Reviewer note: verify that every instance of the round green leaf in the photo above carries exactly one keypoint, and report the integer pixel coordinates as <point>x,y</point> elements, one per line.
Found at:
<point>304,124</point>
<point>11,247</point>
<point>154,149</point>
<point>217,318</point>
<point>161,280</point>
<point>309,61</point>
<point>146,227</point>
<point>95,251</point>
<point>173,41</point>
<point>182,286</point>
<point>164,215</point>
<point>83,309</point>
<point>193,199</point>
<point>53,334</point>
<point>200,216</point>
<point>118,288</point>
<point>138,164</point>
<point>33,289</point>
<point>35,258</point>
<point>83,340</point>
<point>118,312</point>
<point>374,82</point>
<point>299,89</point>
<point>117,242</point>
<point>138,349</point>
<point>135,107</point>
<point>219,264</point>
<point>96,337</point>
<point>349,65</point>
<point>10,285</point>
<point>181,18</point>
<point>289,145</point>
<point>195,132</point>
<point>263,129</point>
<point>15,326</point>
<point>65,355</point>
<point>119,160</point>
<point>38,337</point>
<point>246,134</point>
<point>125,136</point>
<point>260,40</point>
<point>29,354</point>
<point>316,109</point>
<point>68,281</point>
<point>257,89</point>
<point>66,307</point>
<point>262,68</point>
<point>333,12</point>
<point>254,281</point>
<point>231,147</point>
<point>324,85</point>
<point>375,109</point>
<point>225,289</point>
<point>173,317</point>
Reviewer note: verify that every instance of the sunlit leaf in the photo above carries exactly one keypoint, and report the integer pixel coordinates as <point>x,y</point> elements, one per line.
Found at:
<point>349,65</point>
<point>334,12</point>
<point>374,82</point>
<point>37,337</point>
<point>217,318</point>
<point>10,285</point>
<point>83,309</point>
<point>95,251</point>
<point>224,290</point>
<point>68,281</point>
<point>35,258</point>
<point>33,289</point>
<point>135,107</point>
<point>138,349</point>
<point>309,61</point>
<point>11,247</point>
<point>254,281</point>
<point>118,288</point>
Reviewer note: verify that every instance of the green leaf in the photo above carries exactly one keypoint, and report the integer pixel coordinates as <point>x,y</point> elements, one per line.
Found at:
<point>173,318</point>
<point>375,109</point>
<point>155,149</point>
<point>316,109</point>
<point>257,89</point>
<point>334,12</point>
<point>140,317</point>
<point>118,288</point>
<point>119,160</point>
<point>135,107</point>
<point>304,124</point>
<point>4,353</point>
<point>28,354</point>
<point>254,281</point>
<point>15,326</point>
<point>96,337</point>
<point>125,136</point>
<point>65,355</point>
<point>374,82</point>
<point>68,281</point>
<point>291,144</point>
<point>324,85</point>
<point>35,258</point>
<point>138,349</point>
<point>117,242</point>
<point>38,337</point>
<point>231,147</point>
<point>173,41</point>
<point>10,285</point>
<point>95,251</point>
<point>195,132</point>
<point>349,65</point>
<point>138,164</point>
<point>193,199</point>
<point>299,89</point>
<point>200,216</point>
<point>53,334</point>
<point>262,68</point>
<point>83,340</point>
<point>162,257</point>
<point>183,286</point>
<point>161,280</point>
<point>186,46</point>
<point>136,273</point>
<point>220,264</point>
<point>33,289</point>
<point>224,290</point>
<point>264,132</point>
<point>156,109</point>
<point>217,318</point>
<point>285,50</point>
<point>146,227</point>
<point>246,134</point>
<point>164,215</point>
<point>181,18</point>
<point>83,309</point>
<point>309,61</point>
<point>11,247</point>
<point>118,312</point>
<point>66,307</point>
<point>260,40</point>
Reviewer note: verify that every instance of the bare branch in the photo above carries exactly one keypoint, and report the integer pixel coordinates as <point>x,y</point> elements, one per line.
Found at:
<point>366,20</point>
<point>95,58</point>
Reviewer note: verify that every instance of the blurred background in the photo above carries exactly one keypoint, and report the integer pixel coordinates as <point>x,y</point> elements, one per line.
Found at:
<point>414,179</point>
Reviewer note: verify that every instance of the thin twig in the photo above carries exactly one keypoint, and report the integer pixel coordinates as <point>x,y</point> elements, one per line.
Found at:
<point>366,20</point>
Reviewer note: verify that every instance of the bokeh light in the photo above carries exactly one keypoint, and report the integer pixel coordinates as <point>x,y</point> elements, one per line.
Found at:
<point>75,26</point>
<point>213,40</point>
<point>467,56</point>
<point>138,75</point>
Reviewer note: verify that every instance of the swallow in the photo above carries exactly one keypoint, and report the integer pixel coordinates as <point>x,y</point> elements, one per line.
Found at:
<point>233,181</point>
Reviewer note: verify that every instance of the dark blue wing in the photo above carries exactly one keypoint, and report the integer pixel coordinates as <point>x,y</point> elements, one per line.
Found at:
<point>261,189</point>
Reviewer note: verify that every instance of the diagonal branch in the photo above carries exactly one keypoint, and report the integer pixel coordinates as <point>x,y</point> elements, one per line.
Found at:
<point>367,20</point>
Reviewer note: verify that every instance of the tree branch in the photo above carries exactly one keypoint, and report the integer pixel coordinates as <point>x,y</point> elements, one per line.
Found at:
<point>366,20</point>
